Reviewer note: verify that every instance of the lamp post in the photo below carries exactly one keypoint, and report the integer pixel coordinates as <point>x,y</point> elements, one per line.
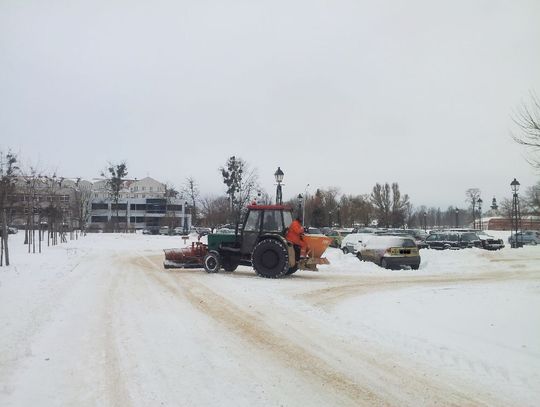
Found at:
<point>304,205</point>
<point>184,218</point>
<point>457,217</point>
<point>279,178</point>
<point>480,226</point>
<point>300,198</point>
<point>474,213</point>
<point>425,222</point>
<point>515,214</point>
<point>339,215</point>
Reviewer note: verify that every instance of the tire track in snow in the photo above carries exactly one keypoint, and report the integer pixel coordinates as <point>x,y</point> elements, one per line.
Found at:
<point>330,296</point>
<point>377,379</point>
<point>115,387</point>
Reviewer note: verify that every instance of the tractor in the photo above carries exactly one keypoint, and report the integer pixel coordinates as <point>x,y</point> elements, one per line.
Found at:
<point>260,242</point>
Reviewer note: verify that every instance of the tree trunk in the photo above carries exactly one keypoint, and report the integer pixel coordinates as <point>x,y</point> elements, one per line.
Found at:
<point>5,236</point>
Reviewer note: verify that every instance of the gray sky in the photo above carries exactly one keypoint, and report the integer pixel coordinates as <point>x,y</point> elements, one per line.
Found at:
<point>337,93</point>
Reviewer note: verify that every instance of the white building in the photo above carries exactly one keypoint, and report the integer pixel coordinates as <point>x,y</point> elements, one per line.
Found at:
<point>142,205</point>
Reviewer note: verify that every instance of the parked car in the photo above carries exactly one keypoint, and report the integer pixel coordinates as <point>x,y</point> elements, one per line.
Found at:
<point>151,230</point>
<point>10,230</point>
<point>313,231</point>
<point>489,242</point>
<point>390,252</point>
<point>179,231</point>
<point>202,231</point>
<point>224,231</point>
<point>351,243</point>
<point>336,237</point>
<point>531,237</point>
<point>164,230</point>
<point>443,240</point>
<point>419,238</point>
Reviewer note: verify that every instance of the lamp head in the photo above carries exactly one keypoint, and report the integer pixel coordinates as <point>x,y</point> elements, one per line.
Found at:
<point>279,175</point>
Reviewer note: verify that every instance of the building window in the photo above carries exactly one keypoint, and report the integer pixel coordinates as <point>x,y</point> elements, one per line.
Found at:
<point>99,219</point>
<point>97,206</point>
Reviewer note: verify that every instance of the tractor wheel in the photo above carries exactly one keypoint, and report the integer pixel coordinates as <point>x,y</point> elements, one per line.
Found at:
<point>212,262</point>
<point>270,258</point>
<point>291,270</point>
<point>229,264</point>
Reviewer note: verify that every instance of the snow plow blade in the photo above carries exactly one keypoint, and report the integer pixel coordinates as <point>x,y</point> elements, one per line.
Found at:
<point>187,257</point>
<point>310,258</point>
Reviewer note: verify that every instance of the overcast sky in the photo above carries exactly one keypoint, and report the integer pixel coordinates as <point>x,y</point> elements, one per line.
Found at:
<point>337,93</point>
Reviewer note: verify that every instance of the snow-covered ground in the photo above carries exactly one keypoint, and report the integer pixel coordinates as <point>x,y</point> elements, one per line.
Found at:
<point>99,322</point>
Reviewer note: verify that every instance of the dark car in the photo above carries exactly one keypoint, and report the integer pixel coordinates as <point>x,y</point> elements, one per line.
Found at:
<point>489,242</point>
<point>452,240</point>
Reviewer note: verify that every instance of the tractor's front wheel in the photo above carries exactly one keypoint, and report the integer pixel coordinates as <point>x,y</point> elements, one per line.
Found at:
<point>270,258</point>
<point>212,262</point>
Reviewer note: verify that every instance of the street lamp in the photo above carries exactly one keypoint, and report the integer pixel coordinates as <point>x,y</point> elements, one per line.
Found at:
<point>339,215</point>
<point>480,212</point>
<point>474,212</point>
<point>457,215</point>
<point>425,222</point>
<point>279,179</point>
<point>184,218</point>
<point>304,205</point>
<point>515,214</point>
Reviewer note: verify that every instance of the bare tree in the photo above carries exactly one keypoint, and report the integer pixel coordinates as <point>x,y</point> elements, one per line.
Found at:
<point>242,185</point>
<point>532,199</point>
<point>8,173</point>
<point>81,203</point>
<point>215,210</point>
<point>115,175</point>
<point>170,219</point>
<point>527,118</point>
<point>471,196</point>
<point>191,191</point>
<point>382,201</point>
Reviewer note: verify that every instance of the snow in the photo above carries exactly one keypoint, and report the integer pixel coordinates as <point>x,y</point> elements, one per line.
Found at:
<point>98,321</point>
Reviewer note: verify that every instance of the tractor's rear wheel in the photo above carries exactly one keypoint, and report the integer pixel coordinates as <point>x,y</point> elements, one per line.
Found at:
<point>270,258</point>
<point>291,270</point>
<point>212,262</point>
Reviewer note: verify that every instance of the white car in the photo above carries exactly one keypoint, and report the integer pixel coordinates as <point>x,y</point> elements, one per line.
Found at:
<point>164,230</point>
<point>351,243</point>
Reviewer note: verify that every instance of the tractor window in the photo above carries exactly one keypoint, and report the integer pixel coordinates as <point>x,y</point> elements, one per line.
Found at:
<point>252,222</point>
<point>272,221</point>
<point>287,219</point>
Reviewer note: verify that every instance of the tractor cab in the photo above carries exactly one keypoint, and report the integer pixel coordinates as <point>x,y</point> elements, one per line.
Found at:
<point>263,220</point>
